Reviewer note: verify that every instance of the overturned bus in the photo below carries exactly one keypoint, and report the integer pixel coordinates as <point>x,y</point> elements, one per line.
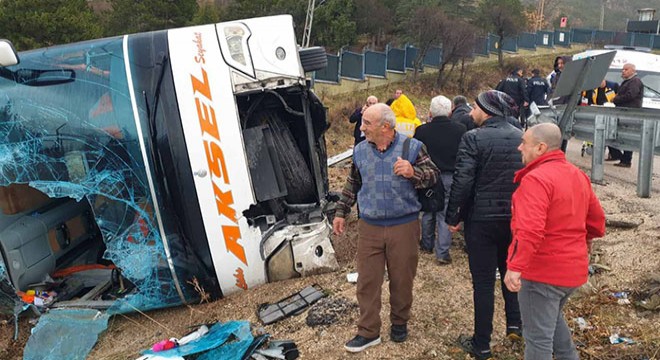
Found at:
<point>161,168</point>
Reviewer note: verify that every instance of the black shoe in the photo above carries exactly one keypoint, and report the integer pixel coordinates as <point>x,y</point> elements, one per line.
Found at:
<point>399,333</point>
<point>359,343</point>
<point>444,261</point>
<point>466,343</point>
<point>623,165</point>
<point>426,251</point>
<point>514,333</point>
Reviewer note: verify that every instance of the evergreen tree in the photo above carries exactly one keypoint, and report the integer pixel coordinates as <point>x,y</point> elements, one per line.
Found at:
<point>132,16</point>
<point>36,23</point>
<point>243,9</point>
<point>333,26</point>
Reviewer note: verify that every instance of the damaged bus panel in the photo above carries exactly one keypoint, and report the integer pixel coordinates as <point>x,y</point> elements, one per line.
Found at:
<point>161,168</point>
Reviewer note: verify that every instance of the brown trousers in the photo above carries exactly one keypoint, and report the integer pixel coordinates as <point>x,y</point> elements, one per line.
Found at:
<point>394,246</point>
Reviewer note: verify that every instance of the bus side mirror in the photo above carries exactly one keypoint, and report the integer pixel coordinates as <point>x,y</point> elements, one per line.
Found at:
<point>8,55</point>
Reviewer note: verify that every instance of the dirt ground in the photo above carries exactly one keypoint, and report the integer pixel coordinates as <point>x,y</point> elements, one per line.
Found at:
<point>442,308</point>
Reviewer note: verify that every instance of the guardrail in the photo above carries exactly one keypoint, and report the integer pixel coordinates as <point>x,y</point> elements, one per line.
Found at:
<point>623,128</point>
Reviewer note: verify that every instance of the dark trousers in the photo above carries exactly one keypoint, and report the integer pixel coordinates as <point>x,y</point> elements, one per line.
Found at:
<point>614,153</point>
<point>488,243</point>
<point>626,158</point>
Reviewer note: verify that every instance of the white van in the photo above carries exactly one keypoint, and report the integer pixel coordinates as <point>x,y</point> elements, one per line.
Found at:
<point>648,70</point>
<point>178,165</point>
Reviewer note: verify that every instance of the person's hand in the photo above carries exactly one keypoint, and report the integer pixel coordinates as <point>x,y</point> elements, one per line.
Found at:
<point>403,168</point>
<point>364,108</point>
<point>454,228</point>
<point>338,225</point>
<point>512,280</point>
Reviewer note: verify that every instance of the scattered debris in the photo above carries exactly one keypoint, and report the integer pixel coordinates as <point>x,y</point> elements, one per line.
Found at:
<point>278,349</point>
<point>171,343</point>
<point>352,277</point>
<point>622,297</point>
<point>228,340</point>
<point>650,293</point>
<point>292,305</point>
<point>616,339</point>
<point>339,158</point>
<point>582,323</point>
<point>623,223</point>
<point>329,311</point>
<point>652,303</point>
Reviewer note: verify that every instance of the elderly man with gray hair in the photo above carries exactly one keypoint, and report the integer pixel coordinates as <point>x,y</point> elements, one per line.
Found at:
<point>441,137</point>
<point>383,182</point>
<point>631,95</point>
<point>555,216</point>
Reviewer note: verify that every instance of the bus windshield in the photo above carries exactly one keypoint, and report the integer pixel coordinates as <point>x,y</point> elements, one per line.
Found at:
<point>75,135</point>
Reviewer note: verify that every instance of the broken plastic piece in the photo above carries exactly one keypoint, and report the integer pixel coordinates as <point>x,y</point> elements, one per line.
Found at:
<point>292,305</point>
<point>203,330</point>
<point>616,339</point>
<point>164,345</point>
<point>582,323</point>
<point>65,334</point>
<point>352,277</point>
<point>223,341</point>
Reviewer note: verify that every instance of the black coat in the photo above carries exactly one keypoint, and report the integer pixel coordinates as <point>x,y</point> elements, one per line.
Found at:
<point>483,180</point>
<point>537,89</point>
<point>514,86</point>
<point>441,137</point>
<point>462,115</point>
<point>357,119</point>
<point>631,93</point>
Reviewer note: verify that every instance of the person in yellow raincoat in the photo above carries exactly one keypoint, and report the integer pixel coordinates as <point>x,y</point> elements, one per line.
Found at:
<point>406,116</point>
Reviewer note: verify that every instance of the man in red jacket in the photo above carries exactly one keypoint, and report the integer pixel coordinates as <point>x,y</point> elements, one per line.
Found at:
<point>555,216</point>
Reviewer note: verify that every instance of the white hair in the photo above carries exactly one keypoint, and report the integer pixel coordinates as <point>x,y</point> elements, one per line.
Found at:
<point>387,116</point>
<point>440,106</point>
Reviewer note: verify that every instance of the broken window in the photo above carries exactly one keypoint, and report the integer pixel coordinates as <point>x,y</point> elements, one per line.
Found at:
<point>75,176</point>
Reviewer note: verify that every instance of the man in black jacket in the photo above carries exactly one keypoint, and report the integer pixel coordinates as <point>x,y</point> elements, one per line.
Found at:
<point>514,86</point>
<point>481,197</point>
<point>631,94</point>
<point>356,118</point>
<point>461,112</point>
<point>441,137</point>
<point>537,88</point>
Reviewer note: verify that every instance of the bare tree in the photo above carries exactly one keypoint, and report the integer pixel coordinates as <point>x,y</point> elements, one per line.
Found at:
<point>424,29</point>
<point>503,17</point>
<point>458,41</point>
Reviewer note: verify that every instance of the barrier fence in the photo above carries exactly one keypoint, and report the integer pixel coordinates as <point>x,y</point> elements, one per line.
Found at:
<point>357,66</point>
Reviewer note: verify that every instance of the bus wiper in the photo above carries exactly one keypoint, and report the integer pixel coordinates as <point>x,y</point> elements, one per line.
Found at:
<point>39,77</point>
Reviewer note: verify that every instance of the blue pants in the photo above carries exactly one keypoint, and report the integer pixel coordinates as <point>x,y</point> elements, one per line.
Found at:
<point>436,220</point>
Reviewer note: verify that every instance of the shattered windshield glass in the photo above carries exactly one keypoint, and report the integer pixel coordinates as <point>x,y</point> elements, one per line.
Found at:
<point>78,138</point>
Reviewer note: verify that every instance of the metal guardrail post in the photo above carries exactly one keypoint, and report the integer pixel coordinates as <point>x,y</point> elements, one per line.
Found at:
<point>598,153</point>
<point>646,159</point>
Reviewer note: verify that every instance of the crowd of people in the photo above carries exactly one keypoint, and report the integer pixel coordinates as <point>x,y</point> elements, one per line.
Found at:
<point>525,210</point>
